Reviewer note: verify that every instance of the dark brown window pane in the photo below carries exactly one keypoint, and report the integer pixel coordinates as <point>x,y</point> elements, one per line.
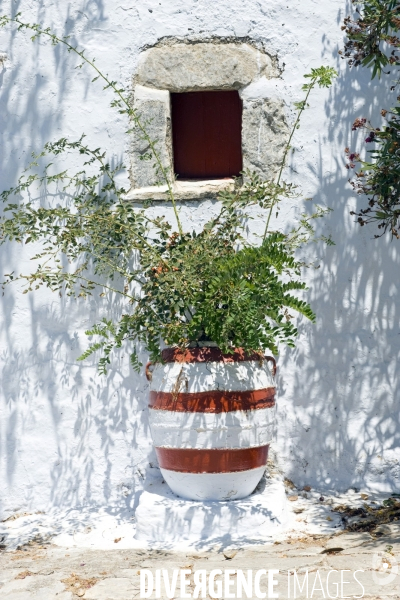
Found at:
<point>206,134</point>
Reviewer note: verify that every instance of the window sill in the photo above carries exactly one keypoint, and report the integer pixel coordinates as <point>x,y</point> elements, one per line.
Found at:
<point>182,190</point>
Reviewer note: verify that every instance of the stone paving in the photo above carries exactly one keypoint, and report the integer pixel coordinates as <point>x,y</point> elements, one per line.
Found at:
<point>48,572</point>
<point>95,554</point>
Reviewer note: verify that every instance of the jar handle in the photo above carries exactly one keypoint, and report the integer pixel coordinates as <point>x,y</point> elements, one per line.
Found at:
<point>271,358</point>
<point>149,373</point>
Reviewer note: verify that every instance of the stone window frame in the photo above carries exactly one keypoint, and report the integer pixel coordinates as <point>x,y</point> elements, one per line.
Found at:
<point>202,66</point>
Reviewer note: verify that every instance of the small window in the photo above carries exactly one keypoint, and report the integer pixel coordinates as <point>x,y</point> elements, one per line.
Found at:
<point>207,134</point>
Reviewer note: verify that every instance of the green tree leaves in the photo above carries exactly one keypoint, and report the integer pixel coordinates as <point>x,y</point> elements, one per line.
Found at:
<point>372,39</point>
<point>373,42</point>
<point>179,287</point>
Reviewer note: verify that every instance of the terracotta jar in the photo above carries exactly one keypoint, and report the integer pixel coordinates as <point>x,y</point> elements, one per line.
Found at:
<point>212,418</point>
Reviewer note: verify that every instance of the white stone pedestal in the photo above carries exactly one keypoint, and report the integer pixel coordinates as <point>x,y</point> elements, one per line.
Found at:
<point>164,518</point>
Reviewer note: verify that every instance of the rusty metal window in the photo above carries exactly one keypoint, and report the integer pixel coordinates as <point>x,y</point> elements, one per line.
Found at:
<point>206,134</point>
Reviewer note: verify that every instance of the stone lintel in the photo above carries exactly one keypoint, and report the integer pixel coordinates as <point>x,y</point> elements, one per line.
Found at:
<point>203,66</point>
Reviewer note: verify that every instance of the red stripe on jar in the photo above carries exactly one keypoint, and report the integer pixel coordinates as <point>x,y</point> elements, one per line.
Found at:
<point>216,401</point>
<point>213,460</point>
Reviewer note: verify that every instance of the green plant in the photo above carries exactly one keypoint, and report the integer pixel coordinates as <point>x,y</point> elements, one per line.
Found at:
<point>180,287</point>
<point>373,42</point>
<point>321,77</point>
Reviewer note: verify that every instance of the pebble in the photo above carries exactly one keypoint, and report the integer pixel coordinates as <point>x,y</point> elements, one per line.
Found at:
<point>229,554</point>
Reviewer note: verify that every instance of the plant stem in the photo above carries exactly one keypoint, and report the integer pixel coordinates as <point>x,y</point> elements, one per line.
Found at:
<point>287,147</point>
<point>109,288</point>
<point>130,111</point>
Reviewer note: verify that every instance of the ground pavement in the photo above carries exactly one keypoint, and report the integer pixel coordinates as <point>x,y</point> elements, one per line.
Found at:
<point>314,557</point>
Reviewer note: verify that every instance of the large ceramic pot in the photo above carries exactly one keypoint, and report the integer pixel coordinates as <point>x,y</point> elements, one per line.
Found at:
<point>212,418</point>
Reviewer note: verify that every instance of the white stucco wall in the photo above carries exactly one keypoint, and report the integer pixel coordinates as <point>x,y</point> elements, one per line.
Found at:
<point>69,436</point>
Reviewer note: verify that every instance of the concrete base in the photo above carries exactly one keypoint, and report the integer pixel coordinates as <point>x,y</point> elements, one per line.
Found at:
<point>163,517</point>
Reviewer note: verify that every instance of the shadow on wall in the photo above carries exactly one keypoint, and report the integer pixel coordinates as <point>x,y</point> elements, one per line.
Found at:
<point>68,435</point>
<point>339,392</point>
<point>31,116</point>
<point>343,411</point>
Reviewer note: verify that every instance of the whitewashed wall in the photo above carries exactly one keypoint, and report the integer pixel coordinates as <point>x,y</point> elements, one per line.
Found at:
<point>69,436</point>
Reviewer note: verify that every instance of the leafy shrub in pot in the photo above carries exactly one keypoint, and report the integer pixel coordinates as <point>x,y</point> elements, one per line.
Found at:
<point>216,297</point>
